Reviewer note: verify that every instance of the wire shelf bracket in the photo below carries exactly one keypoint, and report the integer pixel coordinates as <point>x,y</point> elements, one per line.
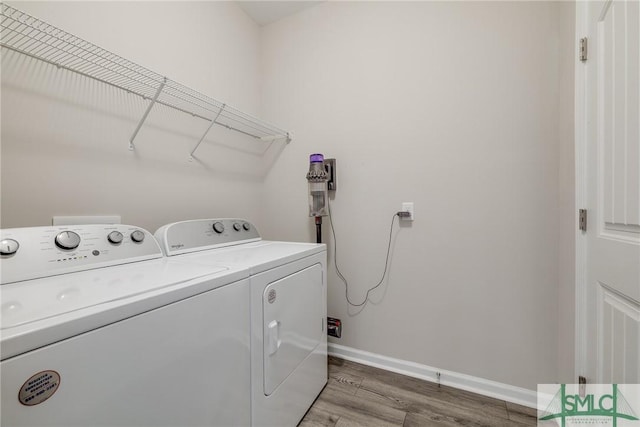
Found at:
<point>213,122</point>
<point>27,35</point>
<point>146,113</point>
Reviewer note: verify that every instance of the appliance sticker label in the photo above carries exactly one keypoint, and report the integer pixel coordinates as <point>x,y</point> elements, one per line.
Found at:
<point>39,388</point>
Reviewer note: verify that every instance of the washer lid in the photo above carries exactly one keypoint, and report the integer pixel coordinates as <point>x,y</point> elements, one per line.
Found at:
<point>39,312</point>
<point>38,299</point>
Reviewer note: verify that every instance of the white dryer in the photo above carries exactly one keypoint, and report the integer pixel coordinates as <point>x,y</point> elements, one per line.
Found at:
<point>99,329</point>
<point>288,309</point>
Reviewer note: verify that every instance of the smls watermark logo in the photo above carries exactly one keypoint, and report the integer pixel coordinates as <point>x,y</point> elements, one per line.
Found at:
<point>612,405</point>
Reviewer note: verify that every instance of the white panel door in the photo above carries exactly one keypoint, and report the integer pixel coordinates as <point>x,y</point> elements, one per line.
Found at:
<point>611,304</point>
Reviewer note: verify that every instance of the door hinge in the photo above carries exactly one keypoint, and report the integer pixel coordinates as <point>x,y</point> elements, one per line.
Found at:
<point>583,49</point>
<point>582,219</point>
<point>582,386</point>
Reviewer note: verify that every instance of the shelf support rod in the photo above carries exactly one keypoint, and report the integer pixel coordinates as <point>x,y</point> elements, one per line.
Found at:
<point>213,122</point>
<point>270,138</point>
<point>146,113</point>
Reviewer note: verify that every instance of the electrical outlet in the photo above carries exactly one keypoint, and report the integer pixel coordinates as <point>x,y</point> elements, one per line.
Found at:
<point>334,327</point>
<point>407,207</point>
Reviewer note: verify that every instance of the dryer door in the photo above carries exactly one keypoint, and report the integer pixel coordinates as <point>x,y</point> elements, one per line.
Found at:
<point>293,323</point>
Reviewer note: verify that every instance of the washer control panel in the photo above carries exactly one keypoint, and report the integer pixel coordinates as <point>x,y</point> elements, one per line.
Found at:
<point>33,252</point>
<point>196,235</point>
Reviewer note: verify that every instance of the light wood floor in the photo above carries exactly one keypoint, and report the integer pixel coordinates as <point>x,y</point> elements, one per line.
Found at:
<point>358,395</point>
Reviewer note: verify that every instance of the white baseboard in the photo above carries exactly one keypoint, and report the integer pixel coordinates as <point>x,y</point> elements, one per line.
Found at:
<point>482,386</point>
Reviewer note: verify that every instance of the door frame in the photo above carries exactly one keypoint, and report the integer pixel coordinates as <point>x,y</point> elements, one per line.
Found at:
<point>581,196</point>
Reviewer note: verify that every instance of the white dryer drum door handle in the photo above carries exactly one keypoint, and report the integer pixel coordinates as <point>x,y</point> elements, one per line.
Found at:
<point>274,336</point>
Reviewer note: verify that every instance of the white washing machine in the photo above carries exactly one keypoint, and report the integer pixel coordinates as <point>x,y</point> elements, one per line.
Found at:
<point>288,309</point>
<point>99,329</point>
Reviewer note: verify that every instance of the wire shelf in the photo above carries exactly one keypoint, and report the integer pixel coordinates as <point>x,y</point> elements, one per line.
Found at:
<point>37,39</point>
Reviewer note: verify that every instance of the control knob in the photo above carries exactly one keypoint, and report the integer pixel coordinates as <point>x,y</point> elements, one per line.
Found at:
<point>115,237</point>
<point>237,226</point>
<point>67,240</point>
<point>218,227</point>
<point>137,236</point>
<point>8,247</point>
<point>246,226</point>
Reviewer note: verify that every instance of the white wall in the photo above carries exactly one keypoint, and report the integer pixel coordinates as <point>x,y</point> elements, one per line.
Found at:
<point>456,107</point>
<point>464,108</point>
<point>65,137</point>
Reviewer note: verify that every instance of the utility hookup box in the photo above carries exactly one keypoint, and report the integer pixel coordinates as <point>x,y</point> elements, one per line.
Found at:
<point>334,327</point>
